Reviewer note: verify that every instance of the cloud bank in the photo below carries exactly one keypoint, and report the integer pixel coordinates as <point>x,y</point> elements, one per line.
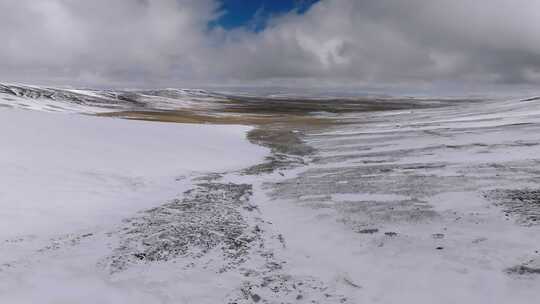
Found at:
<point>357,42</point>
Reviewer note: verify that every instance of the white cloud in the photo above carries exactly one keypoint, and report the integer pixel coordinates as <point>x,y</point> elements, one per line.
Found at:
<point>168,42</point>
<point>121,40</point>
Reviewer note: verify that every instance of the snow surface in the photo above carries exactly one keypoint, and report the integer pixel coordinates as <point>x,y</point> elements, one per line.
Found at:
<point>390,209</point>
<point>418,178</point>
<point>63,172</point>
<point>72,174</point>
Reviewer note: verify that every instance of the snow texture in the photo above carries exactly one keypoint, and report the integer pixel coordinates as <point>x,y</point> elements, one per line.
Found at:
<point>430,205</point>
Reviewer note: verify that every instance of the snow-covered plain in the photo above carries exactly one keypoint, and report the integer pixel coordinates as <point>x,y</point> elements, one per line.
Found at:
<point>430,205</point>
<point>400,203</point>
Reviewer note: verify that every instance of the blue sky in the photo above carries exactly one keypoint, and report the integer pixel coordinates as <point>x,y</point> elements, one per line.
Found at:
<point>254,13</point>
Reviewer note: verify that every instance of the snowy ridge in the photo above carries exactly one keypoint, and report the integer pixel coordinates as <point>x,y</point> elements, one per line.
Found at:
<point>103,101</point>
<point>97,101</point>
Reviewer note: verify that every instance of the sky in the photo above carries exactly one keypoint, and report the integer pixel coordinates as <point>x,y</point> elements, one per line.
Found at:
<point>383,44</point>
<point>254,14</point>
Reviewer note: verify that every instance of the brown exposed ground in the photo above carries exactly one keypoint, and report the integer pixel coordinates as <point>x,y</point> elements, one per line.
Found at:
<point>186,116</point>
<point>259,111</point>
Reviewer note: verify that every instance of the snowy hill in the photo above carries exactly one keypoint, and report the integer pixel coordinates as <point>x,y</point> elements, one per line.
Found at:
<point>96,101</point>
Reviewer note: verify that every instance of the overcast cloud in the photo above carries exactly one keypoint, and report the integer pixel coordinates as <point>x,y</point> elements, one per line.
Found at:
<point>169,43</point>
